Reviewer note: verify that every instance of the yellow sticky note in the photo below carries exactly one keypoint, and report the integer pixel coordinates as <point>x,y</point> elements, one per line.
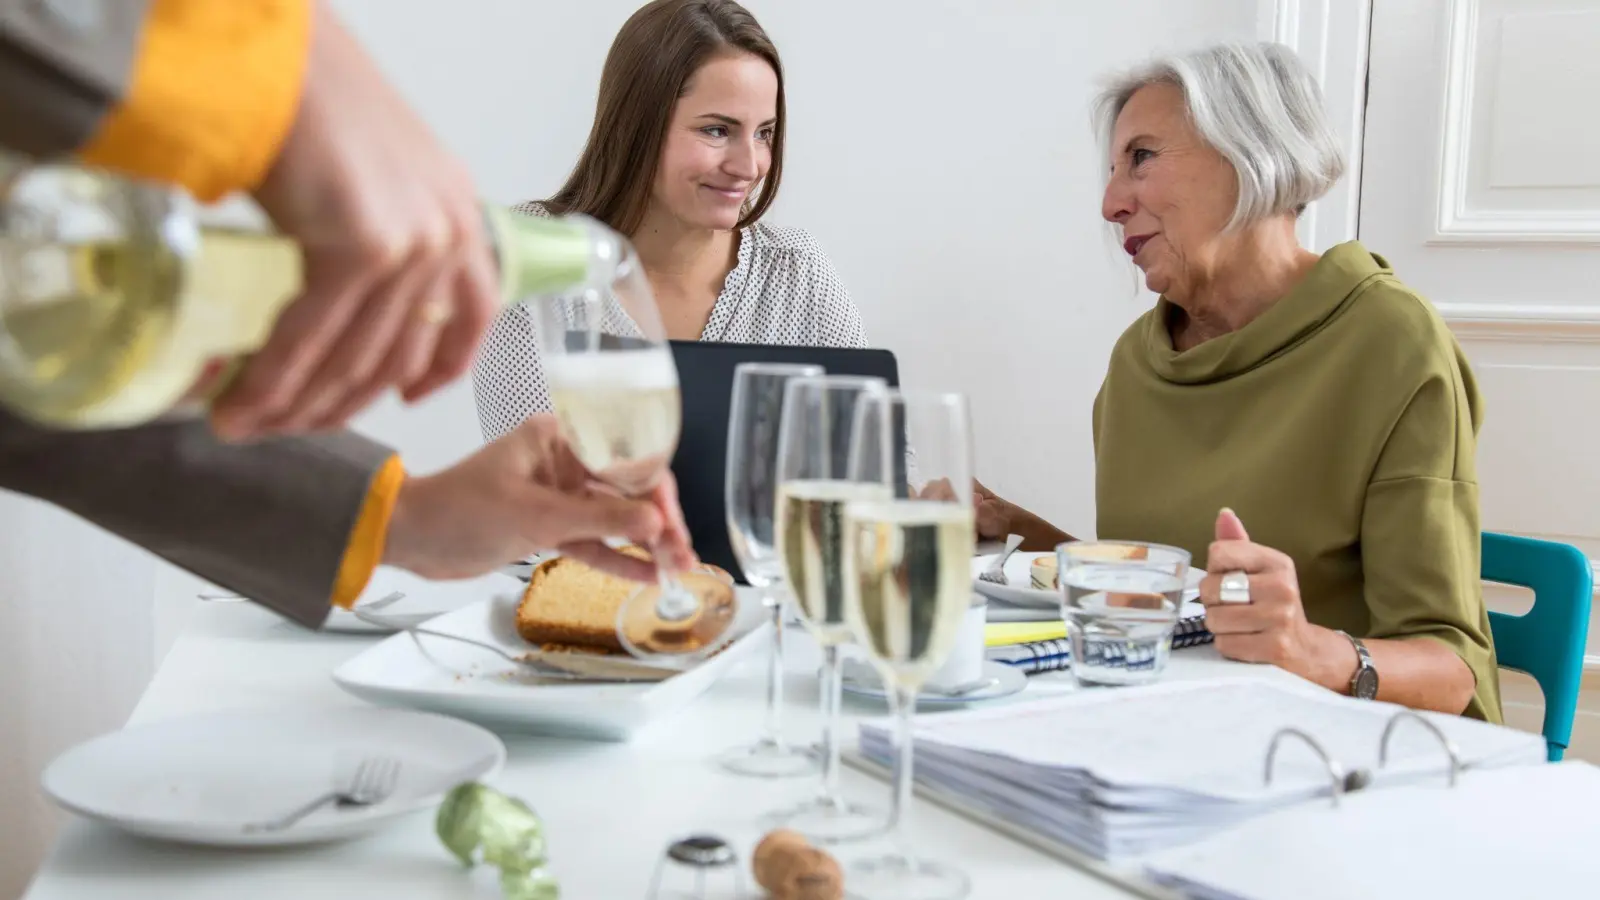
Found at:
<point>1000,634</point>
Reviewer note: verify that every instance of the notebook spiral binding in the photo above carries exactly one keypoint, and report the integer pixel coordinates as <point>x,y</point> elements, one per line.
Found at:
<point>1056,654</point>
<point>1344,782</point>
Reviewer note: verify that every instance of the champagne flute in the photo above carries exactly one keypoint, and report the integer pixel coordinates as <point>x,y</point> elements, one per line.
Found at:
<point>908,582</point>
<point>754,417</point>
<point>814,445</point>
<point>614,388</point>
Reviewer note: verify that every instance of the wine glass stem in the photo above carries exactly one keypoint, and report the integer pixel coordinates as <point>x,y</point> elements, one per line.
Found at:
<point>905,702</point>
<point>774,725</point>
<point>830,723</point>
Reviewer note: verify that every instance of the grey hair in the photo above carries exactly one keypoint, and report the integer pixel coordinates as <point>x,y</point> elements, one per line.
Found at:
<point>1259,106</point>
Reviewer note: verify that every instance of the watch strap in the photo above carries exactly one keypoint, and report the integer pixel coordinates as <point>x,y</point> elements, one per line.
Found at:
<point>1363,663</point>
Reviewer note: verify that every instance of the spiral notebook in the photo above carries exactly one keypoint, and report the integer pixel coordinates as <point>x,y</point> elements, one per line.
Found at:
<point>1054,654</point>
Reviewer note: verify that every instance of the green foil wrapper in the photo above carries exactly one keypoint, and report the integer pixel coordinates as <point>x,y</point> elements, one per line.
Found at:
<point>509,833</point>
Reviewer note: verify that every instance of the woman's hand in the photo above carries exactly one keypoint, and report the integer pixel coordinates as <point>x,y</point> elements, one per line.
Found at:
<point>992,513</point>
<point>997,518</point>
<point>1272,627</point>
<point>528,492</point>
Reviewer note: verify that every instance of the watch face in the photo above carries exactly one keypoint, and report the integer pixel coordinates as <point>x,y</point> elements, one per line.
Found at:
<point>1366,683</point>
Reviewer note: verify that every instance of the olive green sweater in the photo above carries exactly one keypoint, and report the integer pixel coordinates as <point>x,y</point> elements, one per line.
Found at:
<point>1341,425</point>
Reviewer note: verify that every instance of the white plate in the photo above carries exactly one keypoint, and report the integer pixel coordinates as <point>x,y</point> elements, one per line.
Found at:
<point>423,599</point>
<point>1020,591</point>
<point>861,680</point>
<point>453,678</point>
<point>201,779</point>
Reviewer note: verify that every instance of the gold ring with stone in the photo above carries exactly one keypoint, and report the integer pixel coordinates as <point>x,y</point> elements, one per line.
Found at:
<point>436,312</point>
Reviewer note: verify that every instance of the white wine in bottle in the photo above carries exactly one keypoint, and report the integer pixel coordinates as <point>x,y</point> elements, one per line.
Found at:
<point>117,307</point>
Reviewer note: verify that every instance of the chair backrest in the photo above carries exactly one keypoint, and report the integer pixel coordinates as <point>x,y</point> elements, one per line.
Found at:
<point>1548,641</point>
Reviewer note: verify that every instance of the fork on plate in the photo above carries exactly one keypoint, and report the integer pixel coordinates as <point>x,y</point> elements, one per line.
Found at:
<point>996,571</point>
<point>371,781</point>
<point>565,666</point>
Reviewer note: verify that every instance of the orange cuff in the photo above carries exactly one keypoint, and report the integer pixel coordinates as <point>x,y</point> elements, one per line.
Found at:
<point>213,93</point>
<point>365,549</point>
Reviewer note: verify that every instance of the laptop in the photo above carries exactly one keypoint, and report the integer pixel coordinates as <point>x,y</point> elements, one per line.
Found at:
<point>705,378</point>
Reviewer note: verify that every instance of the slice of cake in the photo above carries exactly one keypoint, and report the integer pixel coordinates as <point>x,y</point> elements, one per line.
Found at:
<point>570,606</point>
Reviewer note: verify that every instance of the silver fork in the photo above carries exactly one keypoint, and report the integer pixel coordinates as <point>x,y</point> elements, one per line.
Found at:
<point>573,666</point>
<point>377,604</point>
<point>372,781</point>
<point>996,572</point>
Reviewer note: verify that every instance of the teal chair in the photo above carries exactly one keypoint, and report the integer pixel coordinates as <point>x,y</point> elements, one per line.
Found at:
<point>1548,641</point>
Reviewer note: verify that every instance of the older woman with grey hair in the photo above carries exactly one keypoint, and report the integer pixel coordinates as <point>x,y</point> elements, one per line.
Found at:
<point>1315,398</point>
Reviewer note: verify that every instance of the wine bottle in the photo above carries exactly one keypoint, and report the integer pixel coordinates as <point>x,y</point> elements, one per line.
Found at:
<point>117,306</point>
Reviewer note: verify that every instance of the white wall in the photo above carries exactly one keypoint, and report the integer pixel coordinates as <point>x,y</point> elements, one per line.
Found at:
<point>939,149</point>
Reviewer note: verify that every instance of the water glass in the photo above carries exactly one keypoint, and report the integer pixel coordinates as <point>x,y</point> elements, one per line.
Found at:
<point>1120,601</point>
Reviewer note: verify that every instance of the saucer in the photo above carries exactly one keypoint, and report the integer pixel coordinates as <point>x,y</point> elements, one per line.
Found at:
<point>861,680</point>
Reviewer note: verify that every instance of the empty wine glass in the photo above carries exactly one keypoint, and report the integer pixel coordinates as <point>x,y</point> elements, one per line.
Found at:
<point>907,586</point>
<point>754,416</point>
<point>614,388</point>
<point>814,484</point>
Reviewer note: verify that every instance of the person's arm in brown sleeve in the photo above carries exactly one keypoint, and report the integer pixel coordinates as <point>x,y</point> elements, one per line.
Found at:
<point>276,521</point>
<point>194,93</point>
<point>61,73</point>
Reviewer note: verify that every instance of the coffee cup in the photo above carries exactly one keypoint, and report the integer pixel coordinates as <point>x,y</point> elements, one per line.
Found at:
<point>965,663</point>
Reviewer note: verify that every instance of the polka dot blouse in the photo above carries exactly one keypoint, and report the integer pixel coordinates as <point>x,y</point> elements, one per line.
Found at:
<point>782,290</point>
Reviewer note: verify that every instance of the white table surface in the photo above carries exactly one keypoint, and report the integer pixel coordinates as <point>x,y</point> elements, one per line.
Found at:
<point>609,809</point>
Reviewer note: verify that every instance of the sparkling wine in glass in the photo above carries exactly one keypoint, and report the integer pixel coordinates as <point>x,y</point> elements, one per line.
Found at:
<point>614,388</point>
<point>908,584</point>
<point>754,417</point>
<point>814,484</point>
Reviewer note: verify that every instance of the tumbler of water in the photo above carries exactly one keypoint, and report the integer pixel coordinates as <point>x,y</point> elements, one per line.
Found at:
<point>1120,601</point>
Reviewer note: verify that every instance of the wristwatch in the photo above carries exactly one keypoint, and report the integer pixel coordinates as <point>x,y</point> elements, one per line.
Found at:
<point>1363,684</point>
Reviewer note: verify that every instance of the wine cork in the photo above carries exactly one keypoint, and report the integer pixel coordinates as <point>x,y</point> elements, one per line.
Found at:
<point>789,868</point>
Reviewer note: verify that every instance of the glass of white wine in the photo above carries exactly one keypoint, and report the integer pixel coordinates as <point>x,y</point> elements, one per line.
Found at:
<point>614,387</point>
<point>908,583</point>
<point>814,483</point>
<point>754,417</point>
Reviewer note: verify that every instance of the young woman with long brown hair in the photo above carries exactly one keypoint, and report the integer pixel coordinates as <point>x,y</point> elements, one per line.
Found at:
<point>684,158</point>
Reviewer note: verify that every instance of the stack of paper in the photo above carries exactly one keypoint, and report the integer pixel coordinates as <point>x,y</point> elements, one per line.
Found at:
<point>1125,771</point>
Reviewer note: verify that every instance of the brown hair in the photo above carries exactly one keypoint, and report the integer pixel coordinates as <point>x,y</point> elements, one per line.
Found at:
<point>648,68</point>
